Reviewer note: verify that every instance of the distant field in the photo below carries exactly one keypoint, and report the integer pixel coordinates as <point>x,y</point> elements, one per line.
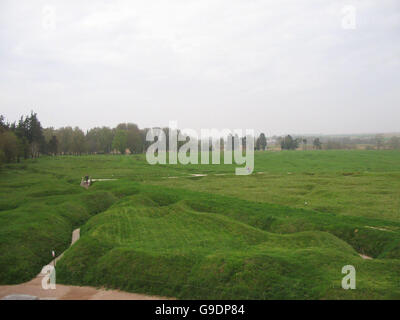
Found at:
<point>282,233</point>
<point>359,183</point>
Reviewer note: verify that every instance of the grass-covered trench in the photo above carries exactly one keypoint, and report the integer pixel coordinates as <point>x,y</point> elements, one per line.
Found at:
<point>174,240</point>
<point>191,245</point>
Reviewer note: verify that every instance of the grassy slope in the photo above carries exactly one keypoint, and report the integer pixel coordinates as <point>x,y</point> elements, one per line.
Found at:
<point>44,197</point>
<point>37,215</point>
<point>354,182</point>
<point>192,245</point>
<point>358,183</point>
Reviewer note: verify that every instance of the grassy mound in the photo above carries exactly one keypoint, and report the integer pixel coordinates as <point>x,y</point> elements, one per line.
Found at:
<point>192,245</point>
<point>285,232</point>
<point>32,224</point>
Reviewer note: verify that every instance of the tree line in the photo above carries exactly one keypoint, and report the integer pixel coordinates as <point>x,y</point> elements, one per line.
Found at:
<point>368,142</point>
<point>26,138</point>
<point>22,139</point>
<point>290,143</point>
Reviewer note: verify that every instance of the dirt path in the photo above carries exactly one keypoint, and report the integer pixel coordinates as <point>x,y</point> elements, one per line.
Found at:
<point>204,175</point>
<point>33,289</point>
<point>76,234</point>
<point>365,257</point>
<point>381,229</point>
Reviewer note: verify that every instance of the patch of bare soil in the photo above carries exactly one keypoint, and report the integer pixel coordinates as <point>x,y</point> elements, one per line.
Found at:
<point>62,292</point>
<point>381,229</point>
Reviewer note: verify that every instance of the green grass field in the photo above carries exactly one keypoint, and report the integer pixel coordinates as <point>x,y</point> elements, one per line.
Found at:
<point>284,232</point>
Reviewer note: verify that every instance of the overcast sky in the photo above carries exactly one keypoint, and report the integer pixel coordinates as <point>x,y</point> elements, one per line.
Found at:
<point>274,66</point>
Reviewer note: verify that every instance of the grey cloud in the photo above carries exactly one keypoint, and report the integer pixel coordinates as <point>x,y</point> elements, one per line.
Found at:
<point>276,66</point>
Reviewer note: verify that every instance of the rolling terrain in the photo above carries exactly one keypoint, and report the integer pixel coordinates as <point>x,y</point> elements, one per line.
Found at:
<point>285,232</point>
